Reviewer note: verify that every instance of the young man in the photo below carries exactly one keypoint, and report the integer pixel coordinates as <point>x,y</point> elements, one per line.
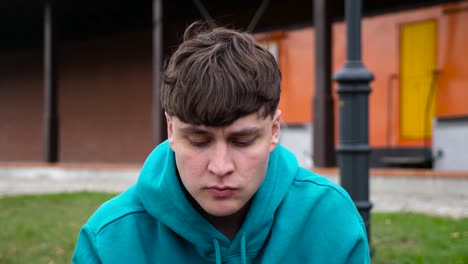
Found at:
<point>222,189</point>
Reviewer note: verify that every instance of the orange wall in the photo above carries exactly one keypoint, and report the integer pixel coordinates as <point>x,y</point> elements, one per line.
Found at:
<point>296,58</point>
<point>453,61</point>
<point>380,54</point>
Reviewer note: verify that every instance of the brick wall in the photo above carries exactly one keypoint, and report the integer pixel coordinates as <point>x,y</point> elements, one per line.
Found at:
<point>21,103</point>
<point>105,90</point>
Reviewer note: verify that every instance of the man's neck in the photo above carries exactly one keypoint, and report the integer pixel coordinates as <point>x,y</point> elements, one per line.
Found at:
<point>228,225</point>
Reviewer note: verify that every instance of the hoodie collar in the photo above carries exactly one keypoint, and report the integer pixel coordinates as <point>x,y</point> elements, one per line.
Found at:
<point>160,192</point>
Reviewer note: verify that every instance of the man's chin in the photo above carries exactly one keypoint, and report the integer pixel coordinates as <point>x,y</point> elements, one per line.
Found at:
<point>223,212</point>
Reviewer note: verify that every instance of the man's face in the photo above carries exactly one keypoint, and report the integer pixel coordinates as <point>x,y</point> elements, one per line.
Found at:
<point>223,167</point>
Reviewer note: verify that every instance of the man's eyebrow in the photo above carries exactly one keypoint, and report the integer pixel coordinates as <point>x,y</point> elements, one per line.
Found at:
<point>245,132</point>
<point>193,130</point>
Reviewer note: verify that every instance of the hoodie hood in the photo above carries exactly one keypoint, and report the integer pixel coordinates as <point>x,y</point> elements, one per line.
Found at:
<point>163,197</point>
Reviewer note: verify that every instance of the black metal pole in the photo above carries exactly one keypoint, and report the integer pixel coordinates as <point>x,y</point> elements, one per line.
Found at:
<point>51,118</point>
<point>324,127</point>
<point>353,150</point>
<point>159,124</point>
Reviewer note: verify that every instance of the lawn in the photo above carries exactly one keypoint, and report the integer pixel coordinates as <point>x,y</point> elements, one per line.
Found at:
<point>416,238</point>
<point>43,229</point>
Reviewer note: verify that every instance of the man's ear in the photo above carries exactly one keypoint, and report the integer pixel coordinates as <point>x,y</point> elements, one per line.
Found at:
<point>275,129</point>
<point>170,129</point>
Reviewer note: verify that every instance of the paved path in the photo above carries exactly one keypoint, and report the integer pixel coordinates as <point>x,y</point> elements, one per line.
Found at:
<point>433,195</point>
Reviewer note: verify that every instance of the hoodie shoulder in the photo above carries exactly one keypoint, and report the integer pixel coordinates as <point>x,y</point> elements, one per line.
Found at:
<point>324,189</point>
<point>119,207</point>
<point>316,209</point>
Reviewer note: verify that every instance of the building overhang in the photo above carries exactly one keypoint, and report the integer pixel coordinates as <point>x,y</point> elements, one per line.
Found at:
<point>21,21</point>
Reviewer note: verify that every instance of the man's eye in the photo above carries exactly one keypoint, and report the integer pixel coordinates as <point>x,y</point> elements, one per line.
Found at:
<point>243,142</point>
<point>199,143</point>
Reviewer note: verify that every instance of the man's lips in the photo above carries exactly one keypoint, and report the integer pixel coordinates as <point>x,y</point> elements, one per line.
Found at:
<point>221,191</point>
<point>221,188</point>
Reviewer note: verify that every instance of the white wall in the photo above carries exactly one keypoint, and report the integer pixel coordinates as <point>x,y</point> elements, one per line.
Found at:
<point>450,144</point>
<point>298,139</point>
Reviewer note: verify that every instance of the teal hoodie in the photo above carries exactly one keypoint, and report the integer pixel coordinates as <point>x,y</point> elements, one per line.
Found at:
<point>295,217</point>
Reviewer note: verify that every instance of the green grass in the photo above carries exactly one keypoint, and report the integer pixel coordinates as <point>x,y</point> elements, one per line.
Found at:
<point>44,228</point>
<point>415,238</point>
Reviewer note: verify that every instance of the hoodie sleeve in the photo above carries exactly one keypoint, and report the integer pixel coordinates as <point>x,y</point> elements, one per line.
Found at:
<point>359,254</point>
<point>86,250</point>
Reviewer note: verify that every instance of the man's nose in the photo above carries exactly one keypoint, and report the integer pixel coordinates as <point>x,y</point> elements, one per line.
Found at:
<point>221,163</point>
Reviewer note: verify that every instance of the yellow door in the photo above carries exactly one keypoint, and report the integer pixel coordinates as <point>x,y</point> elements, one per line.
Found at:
<point>417,67</point>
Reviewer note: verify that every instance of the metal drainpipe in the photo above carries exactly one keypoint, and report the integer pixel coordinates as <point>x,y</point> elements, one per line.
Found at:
<point>353,149</point>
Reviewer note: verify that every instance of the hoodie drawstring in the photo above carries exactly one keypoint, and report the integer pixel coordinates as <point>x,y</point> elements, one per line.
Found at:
<point>217,251</point>
<point>243,257</point>
<point>242,249</point>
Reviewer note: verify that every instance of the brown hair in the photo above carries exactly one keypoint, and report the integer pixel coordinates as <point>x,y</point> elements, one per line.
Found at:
<point>219,75</point>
